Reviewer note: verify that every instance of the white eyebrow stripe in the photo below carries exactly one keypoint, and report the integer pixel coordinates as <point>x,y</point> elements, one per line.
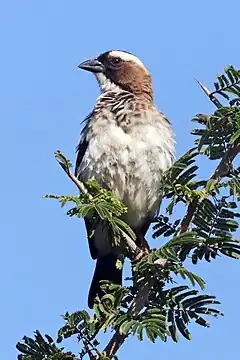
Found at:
<point>126,57</point>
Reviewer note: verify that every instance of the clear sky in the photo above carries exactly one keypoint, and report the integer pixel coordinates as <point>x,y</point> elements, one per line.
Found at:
<point>45,267</point>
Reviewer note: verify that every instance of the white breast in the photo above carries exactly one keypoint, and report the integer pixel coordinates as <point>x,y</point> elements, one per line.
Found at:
<point>130,164</point>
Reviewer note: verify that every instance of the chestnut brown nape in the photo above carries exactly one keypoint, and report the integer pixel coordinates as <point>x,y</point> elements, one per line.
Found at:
<point>133,78</point>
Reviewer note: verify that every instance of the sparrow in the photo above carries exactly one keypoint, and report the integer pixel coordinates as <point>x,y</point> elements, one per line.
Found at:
<point>126,145</point>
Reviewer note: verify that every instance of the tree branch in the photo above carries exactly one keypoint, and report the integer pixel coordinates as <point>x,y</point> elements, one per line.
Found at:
<point>141,298</point>
<point>137,305</point>
<point>222,170</point>
<point>192,207</point>
<point>213,99</point>
<point>134,249</point>
<point>64,165</point>
<point>225,165</point>
<point>135,252</point>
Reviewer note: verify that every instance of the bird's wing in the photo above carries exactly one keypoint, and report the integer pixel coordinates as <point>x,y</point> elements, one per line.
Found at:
<point>80,150</point>
<point>82,145</point>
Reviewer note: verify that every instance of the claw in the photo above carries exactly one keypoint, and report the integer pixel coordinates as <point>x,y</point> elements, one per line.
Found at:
<point>143,243</point>
<point>139,256</point>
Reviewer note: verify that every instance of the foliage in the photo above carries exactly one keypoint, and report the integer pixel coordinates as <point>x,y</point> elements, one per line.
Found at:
<point>154,303</point>
<point>102,206</point>
<point>40,348</point>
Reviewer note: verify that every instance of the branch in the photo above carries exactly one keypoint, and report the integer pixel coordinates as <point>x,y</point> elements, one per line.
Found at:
<point>64,163</point>
<point>142,295</point>
<point>137,305</point>
<point>222,170</point>
<point>210,95</point>
<point>225,165</point>
<point>140,300</point>
<point>135,251</point>
<point>188,217</point>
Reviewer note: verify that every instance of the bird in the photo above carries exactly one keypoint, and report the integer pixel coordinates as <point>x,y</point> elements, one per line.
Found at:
<point>126,145</point>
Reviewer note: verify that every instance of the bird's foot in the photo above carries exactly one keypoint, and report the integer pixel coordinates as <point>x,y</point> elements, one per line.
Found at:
<point>143,243</point>
<point>139,256</point>
<point>144,248</point>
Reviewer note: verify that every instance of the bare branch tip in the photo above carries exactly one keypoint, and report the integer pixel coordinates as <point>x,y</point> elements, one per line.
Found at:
<point>204,88</point>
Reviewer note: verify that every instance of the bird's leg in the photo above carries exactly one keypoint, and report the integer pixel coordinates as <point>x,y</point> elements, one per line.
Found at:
<point>142,247</point>
<point>138,256</point>
<point>143,242</point>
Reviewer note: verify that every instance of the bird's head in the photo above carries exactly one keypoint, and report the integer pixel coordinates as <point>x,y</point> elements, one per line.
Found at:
<point>119,70</point>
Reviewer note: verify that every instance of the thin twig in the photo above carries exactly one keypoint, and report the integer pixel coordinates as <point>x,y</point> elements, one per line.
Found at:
<point>74,179</point>
<point>134,249</point>
<point>114,344</point>
<point>90,348</point>
<point>142,297</point>
<point>191,209</point>
<point>214,100</point>
<point>225,165</point>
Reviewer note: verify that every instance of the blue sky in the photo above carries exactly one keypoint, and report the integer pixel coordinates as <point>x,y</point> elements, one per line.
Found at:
<point>45,265</point>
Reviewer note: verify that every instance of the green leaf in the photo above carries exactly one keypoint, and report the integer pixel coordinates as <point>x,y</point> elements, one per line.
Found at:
<point>180,297</point>
<point>126,327</point>
<point>140,332</point>
<point>231,252</point>
<point>234,137</point>
<point>173,332</point>
<point>209,311</point>
<point>197,300</point>
<point>62,159</point>
<point>150,334</point>
<point>188,238</point>
<point>182,328</point>
<point>194,279</point>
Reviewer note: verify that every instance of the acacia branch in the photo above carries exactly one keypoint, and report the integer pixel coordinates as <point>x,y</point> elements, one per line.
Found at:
<point>141,298</point>
<point>63,162</point>
<point>223,169</point>
<point>210,95</point>
<point>134,251</point>
<point>225,165</point>
<point>137,305</point>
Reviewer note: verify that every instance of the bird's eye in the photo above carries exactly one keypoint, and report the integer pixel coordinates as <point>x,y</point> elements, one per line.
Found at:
<point>116,60</point>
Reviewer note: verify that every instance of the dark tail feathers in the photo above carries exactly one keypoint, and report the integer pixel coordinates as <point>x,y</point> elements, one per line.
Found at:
<point>105,270</point>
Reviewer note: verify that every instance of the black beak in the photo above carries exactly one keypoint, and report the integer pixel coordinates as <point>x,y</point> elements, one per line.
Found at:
<point>92,65</point>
